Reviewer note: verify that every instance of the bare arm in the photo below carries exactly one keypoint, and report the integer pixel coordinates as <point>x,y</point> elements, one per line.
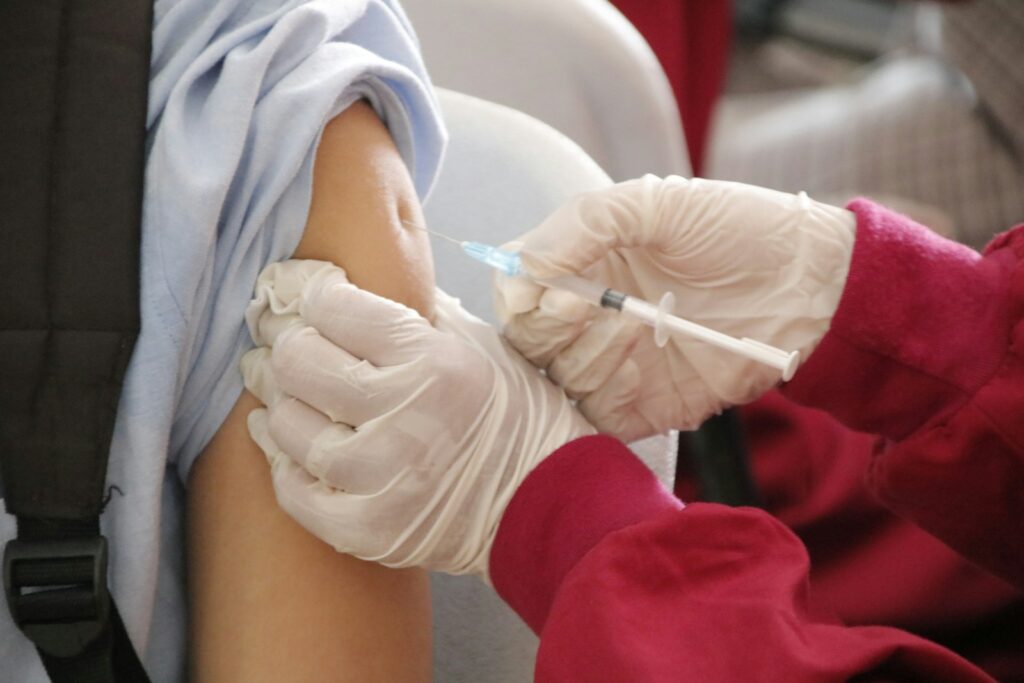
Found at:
<point>268,601</point>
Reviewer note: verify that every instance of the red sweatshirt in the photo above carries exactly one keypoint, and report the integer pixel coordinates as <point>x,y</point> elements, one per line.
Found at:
<point>623,583</point>
<point>868,565</point>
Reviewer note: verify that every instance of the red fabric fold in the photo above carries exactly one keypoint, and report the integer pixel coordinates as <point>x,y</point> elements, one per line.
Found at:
<point>577,495</point>
<point>623,585</point>
<point>922,324</point>
<point>926,349</point>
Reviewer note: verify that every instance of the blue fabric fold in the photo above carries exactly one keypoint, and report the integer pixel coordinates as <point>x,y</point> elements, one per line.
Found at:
<point>240,95</point>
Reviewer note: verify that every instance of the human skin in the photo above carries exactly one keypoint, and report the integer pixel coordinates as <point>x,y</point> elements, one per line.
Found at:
<point>267,600</point>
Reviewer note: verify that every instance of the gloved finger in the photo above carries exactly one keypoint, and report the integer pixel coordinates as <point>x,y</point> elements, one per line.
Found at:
<point>695,405</point>
<point>565,306</point>
<point>336,453</point>
<point>539,338</point>
<point>585,229</point>
<point>449,315</point>
<point>275,303</point>
<point>365,325</point>
<point>345,388</point>
<point>543,332</point>
<point>334,516</point>
<point>612,407</point>
<point>297,429</point>
<point>515,295</point>
<point>259,429</point>
<point>258,376</point>
<point>269,325</point>
<point>596,354</point>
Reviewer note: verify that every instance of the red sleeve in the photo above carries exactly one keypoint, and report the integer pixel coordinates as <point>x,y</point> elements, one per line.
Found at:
<point>624,584</point>
<point>926,349</point>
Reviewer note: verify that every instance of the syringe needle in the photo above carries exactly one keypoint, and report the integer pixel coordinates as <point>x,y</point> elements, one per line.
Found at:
<point>435,234</point>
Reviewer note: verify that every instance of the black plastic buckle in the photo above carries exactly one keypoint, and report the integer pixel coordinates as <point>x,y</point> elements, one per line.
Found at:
<point>57,592</point>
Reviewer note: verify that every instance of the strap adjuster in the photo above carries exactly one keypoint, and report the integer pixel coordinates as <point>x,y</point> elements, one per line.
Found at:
<point>57,592</point>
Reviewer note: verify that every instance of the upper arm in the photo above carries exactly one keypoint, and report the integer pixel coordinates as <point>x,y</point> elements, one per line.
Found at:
<point>363,201</point>
<point>268,601</point>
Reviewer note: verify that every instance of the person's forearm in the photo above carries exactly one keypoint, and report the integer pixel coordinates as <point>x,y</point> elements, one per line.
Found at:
<point>925,349</point>
<point>268,601</point>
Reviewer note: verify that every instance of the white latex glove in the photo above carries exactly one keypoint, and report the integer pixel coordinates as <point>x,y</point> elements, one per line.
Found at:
<point>743,260</point>
<point>392,439</point>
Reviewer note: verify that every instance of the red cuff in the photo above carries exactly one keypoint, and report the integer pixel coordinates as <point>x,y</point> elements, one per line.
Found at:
<point>923,322</point>
<point>578,495</point>
<point>961,477</point>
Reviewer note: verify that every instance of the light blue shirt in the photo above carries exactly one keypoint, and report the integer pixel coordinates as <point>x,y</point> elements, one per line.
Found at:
<point>240,92</point>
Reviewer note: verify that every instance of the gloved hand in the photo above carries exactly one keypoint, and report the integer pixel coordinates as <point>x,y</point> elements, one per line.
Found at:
<point>743,260</point>
<point>392,439</point>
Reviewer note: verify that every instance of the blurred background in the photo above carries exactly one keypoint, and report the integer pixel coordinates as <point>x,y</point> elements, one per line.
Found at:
<point>918,104</point>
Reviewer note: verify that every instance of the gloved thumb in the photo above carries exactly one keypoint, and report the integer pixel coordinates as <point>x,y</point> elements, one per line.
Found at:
<point>367,326</point>
<point>576,236</point>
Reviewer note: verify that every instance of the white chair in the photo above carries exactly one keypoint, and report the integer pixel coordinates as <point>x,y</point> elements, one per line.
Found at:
<point>504,171</point>
<point>577,65</point>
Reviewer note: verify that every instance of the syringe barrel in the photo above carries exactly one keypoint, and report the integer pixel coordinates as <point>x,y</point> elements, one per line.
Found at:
<point>777,358</point>
<point>660,318</point>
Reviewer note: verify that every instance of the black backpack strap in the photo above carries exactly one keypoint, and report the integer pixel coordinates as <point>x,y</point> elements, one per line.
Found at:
<point>75,76</point>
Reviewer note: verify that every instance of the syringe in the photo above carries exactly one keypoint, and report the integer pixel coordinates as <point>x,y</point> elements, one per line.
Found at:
<point>659,317</point>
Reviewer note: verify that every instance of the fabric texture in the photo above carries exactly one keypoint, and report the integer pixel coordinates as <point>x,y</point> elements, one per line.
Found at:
<point>818,488</point>
<point>868,564</point>
<point>691,581</point>
<point>239,94</point>
<point>624,584</point>
<point>939,375</point>
<point>594,512</point>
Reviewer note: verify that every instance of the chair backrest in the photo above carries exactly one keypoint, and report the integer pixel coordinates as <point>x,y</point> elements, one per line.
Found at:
<point>503,173</point>
<point>577,65</point>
